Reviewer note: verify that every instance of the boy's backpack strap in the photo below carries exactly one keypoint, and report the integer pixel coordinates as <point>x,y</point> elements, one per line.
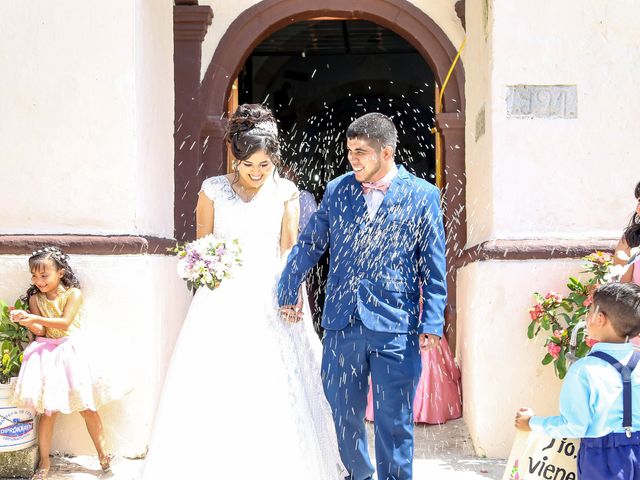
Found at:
<point>625,373</point>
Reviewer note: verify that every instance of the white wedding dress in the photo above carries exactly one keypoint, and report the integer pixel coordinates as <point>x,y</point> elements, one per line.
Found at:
<point>243,396</point>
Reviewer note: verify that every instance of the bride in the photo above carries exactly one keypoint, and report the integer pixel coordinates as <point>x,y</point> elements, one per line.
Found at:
<point>243,396</point>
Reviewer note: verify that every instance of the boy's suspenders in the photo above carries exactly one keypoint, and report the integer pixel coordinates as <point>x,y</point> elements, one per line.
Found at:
<point>625,372</point>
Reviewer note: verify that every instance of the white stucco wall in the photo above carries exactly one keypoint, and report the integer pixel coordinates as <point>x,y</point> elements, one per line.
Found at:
<point>88,109</point>
<point>477,59</point>
<point>538,178</point>
<point>133,309</point>
<point>154,115</point>
<point>571,178</point>
<point>501,369</point>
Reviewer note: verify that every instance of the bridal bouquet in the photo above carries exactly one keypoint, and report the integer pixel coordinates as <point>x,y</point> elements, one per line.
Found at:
<point>207,261</point>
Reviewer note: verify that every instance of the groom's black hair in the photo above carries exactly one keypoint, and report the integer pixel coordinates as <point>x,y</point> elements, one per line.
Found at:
<point>377,129</point>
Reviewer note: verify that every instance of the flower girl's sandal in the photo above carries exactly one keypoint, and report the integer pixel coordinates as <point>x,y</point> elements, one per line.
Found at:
<point>105,462</point>
<point>41,474</point>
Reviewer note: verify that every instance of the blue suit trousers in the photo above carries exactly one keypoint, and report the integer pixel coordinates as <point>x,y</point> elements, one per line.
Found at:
<point>393,360</point>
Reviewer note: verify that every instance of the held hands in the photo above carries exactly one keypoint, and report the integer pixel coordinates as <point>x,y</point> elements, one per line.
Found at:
<point>522,419</point>
<point>22,317</point>
<point>428,341</point>
<point>292,313</point>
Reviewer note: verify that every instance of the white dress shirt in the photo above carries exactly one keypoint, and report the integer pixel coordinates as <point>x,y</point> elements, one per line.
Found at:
<point>374,198</point>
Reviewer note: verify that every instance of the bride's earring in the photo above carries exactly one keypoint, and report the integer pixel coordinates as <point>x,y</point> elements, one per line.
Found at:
<point>236,174</point>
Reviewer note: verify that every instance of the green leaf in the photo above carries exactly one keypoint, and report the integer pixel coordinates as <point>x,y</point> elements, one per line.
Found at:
<point>544,321</point>
<point>561,365</point>
<point>566,318</point>
<point>530,330</point>
<point>574,285</point>
<point>567,306</point>
<point>582,349</point>
<point>582,311</point>
<point>547,359</point>
<point>577,298</point>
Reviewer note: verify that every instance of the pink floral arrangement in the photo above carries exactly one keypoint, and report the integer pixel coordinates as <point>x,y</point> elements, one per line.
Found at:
<point>555,316</point>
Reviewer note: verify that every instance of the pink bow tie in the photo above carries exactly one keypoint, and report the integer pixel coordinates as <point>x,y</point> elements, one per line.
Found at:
<point>381,185</point>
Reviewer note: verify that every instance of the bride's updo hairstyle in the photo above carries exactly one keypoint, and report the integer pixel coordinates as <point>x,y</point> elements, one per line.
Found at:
<point>253,128</point>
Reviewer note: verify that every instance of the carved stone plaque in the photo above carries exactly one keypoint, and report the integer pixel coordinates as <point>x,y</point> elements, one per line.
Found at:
<point>542,101</point>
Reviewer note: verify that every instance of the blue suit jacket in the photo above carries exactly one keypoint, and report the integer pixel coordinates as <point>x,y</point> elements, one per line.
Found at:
<point>378,265</point>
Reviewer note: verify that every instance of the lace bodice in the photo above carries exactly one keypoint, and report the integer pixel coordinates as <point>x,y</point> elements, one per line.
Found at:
<point>256,224</point>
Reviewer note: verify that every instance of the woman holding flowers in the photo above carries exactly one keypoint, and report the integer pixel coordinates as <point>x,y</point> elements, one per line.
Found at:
<point>241,378</point>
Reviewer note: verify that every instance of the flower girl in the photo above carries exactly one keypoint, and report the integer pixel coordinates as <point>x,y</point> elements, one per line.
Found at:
<point>56,375</point>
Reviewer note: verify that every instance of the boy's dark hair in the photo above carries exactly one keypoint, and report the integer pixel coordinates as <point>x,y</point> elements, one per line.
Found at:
<point>620,302</point>
<point>377,129</point>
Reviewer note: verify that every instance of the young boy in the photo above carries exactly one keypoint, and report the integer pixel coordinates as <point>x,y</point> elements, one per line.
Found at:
<point>595,404</point>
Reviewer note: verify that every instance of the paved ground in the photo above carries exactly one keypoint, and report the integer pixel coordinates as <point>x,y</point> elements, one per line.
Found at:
<point>443,452</point>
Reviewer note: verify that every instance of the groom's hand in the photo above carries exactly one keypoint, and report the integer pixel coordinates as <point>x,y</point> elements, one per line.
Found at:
<point>428,341</point>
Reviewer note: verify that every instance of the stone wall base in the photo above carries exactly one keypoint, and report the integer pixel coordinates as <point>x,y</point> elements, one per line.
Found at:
<point>19,464</point>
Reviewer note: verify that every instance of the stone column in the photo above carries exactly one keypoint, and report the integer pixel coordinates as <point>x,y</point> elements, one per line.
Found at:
<point>451,126</point>
<point>215,154</point>
<point>190,24</point>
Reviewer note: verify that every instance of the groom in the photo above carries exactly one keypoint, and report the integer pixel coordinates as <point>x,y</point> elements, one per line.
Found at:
<point>383,228</point>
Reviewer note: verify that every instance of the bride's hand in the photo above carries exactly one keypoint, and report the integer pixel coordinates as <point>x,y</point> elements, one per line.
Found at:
<point>291,313</point>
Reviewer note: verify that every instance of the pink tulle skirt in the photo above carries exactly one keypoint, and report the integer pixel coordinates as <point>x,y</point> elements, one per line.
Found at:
<point>438,393</point>
<point>59,375</point>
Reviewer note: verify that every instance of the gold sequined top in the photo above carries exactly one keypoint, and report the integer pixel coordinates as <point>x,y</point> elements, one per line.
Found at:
<point>54,309</point>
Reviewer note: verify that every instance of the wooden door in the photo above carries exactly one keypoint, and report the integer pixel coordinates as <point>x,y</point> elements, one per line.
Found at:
<point>232,105</point>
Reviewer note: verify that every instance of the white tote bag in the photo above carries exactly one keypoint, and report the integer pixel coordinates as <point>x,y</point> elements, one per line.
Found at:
<point>535,456</point>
